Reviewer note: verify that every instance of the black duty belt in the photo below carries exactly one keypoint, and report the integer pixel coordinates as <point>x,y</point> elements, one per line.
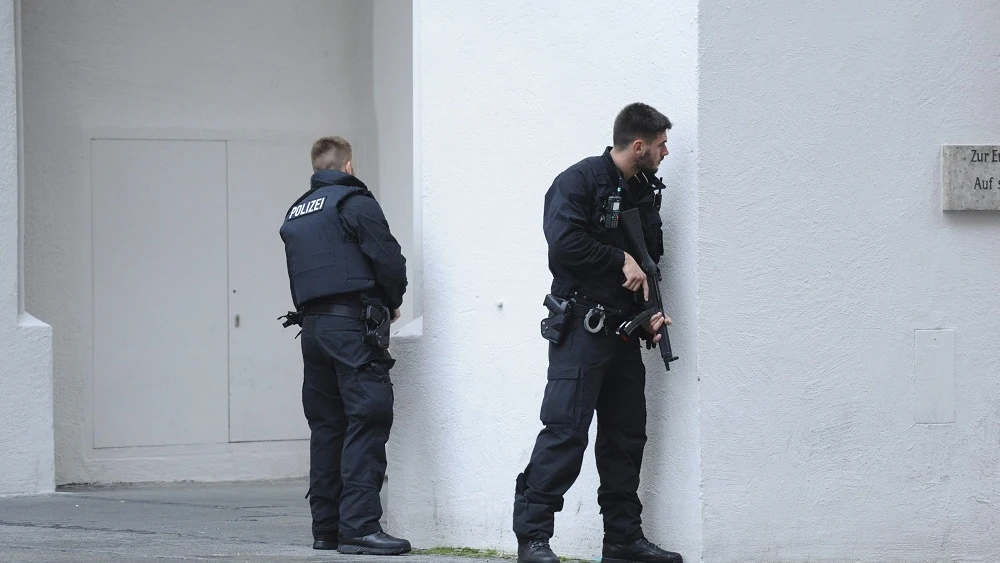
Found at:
<point>336,309</point>
<point>596,318</point>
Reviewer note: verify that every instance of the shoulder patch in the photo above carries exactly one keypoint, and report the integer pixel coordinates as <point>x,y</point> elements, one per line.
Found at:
<point>306,207</point>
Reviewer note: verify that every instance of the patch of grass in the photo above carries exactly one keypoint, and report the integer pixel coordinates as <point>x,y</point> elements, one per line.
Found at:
<point>464,552</point>
<point>479,553</point>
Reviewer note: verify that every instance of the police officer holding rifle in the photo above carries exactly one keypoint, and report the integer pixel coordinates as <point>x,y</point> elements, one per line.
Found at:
<point>602,225</point>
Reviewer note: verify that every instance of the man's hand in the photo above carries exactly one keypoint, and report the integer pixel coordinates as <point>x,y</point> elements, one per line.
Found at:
<point>634,276</point>
<point>395,315</point>
<point>654,324</point>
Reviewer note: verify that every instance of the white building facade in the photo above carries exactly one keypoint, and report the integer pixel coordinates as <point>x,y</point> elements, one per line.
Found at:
<point>836,396</point>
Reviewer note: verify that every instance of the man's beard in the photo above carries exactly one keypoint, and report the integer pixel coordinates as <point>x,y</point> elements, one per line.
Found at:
<point>646,162</point>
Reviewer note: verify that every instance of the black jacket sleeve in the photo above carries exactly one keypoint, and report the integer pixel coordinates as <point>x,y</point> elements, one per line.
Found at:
<point>567,213</point>
<point>362,218</point>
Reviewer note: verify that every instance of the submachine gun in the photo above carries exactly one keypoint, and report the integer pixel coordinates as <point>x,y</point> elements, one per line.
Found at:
<point>633,230</point>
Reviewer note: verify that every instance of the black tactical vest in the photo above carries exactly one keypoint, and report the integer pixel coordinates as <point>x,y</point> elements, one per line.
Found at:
<point>322,261</point>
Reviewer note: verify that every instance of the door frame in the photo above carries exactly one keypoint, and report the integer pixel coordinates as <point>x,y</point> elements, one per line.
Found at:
<point>230,460</point>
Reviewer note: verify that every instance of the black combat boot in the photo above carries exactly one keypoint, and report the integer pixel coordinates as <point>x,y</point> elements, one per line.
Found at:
<point>324,544</point>
<point>638,551</point>
<point>379,543</point>
<point>324,541</point>
<point>535,551</point>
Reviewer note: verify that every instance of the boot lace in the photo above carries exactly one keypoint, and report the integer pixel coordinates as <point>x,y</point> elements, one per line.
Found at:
<point>539,544</point>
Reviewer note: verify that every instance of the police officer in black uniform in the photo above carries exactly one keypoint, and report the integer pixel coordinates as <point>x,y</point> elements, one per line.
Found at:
<point>598,284</point>
<point>347,278</point>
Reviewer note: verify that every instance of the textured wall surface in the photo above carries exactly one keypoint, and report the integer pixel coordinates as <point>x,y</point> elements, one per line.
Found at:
<point>512,93</point>
<point>822,249</point>
<point>26,436</point>
<point>229,66</point>
<point>392,60</point>
<point>8,168</point>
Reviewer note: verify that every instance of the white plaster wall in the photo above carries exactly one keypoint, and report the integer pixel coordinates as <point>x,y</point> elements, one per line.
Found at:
<point>392,60</point>
<point>26,433</point>
<point>822,247</point>
<point>231,65</point>
<point>511,93</point>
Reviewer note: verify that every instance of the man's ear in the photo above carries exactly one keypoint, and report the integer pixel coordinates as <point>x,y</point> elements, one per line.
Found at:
<point>349,168</point>
<point>637,146</point>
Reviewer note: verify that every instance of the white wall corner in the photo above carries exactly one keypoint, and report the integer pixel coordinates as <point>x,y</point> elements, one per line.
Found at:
<point>26,417</point>
<point>26,427</point>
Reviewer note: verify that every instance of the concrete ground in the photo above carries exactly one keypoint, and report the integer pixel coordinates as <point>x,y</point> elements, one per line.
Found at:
<point>252,522</point>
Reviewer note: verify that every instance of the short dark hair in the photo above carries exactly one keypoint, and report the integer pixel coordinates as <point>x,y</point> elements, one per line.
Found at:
<point>330,153</point>
<point>638,121</point>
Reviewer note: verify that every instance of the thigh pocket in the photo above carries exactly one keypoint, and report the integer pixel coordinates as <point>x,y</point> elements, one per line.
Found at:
<point>376,392</point>
<point>561,403</point>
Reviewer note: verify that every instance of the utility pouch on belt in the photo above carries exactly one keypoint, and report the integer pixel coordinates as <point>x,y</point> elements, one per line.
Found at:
<point>292,318</point>
<point>555,326</point>
<point>377,321</point>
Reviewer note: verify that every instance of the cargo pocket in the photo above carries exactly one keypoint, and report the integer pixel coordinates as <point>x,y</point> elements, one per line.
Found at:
<point>376,388</point>
<point>561,403</point>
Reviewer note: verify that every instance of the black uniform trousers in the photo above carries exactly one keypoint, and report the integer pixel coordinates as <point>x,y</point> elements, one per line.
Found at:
<point>347,399</point>
<point>587,372</point>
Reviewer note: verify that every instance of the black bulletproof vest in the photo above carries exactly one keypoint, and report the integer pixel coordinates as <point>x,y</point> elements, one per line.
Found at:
<point>321,260</point>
